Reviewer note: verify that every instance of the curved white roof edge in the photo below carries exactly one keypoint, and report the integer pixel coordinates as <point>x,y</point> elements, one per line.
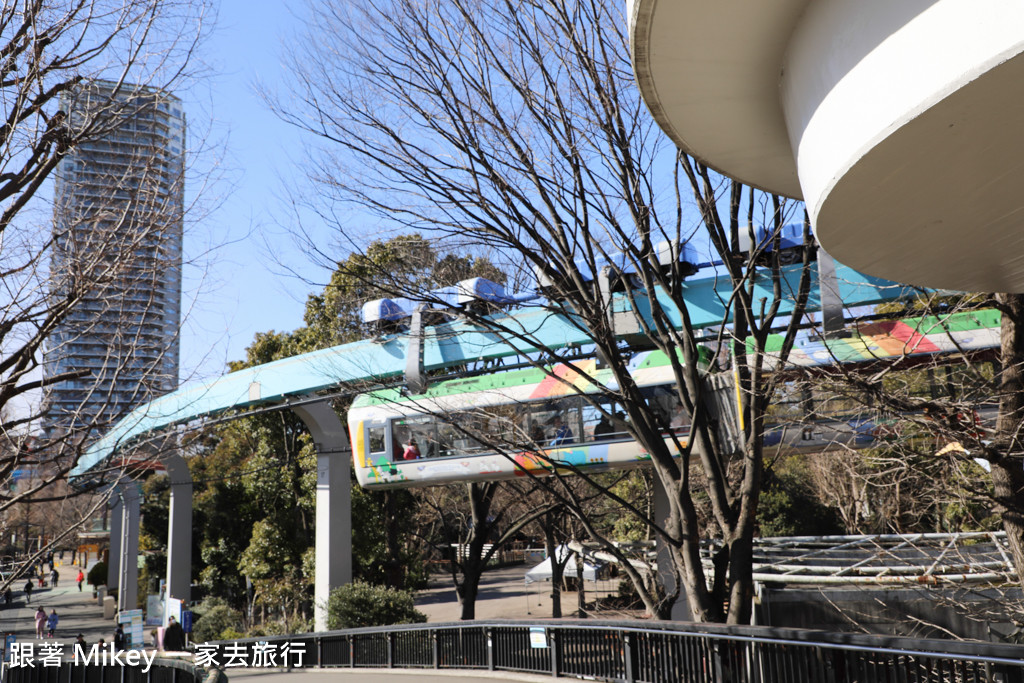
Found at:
<point>897,122</point>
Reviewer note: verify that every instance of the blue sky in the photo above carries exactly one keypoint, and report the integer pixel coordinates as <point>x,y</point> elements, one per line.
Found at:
<point>248,285</point>
<point>243,287</point>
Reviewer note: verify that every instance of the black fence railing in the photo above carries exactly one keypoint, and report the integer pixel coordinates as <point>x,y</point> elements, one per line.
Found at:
<point>70,671</point>
<point>636,653</point>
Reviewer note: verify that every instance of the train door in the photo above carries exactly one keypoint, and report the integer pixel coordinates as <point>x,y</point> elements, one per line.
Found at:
<point>378,440</point>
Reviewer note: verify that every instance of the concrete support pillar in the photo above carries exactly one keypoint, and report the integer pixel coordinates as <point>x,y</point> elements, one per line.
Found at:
<point>333,504</point>
<point>128,567</point>
<point>680,610</point>
<point>179,529</point>
<point>114,555</point>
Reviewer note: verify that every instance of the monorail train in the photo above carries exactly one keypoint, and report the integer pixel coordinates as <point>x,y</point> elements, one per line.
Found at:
<point>539,421</point>
<point>533,420</point>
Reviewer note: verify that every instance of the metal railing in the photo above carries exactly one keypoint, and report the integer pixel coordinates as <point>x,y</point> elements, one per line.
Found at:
<point>70,671</point>
<point>645,653</point>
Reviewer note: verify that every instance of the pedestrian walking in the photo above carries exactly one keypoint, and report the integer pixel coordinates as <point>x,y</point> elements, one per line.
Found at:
<point>119,638</point>
<point>40,622</point>
<point>54,575</point>
<point>7,597</point>
<point>28,591</point>
<point>51,623</point>
<point>174,636</point>
<point>81,578</point>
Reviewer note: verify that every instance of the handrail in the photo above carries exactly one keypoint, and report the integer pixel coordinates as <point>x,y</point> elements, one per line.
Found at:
<point>631,651</point>
<point>163,670</point>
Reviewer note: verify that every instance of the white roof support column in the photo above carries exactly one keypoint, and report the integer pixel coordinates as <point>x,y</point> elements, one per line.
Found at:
<point>179,529</point>
<point>128,561</point>
<point>114,554</point>
<point>333,504</point>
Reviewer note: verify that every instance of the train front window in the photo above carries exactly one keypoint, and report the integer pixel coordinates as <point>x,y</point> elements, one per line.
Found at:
<point>422,429</point>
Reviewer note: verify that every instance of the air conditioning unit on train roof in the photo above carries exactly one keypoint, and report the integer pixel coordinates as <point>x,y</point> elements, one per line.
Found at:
<point>387,310</point>
<point>471,291</point>
<point>670,251</point>
<point>623,264</point>
<point>480,289</point>
<point>791,236</point>
<point>465,293</point>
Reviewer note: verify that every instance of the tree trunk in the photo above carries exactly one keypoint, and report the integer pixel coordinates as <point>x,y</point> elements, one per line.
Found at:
<point>556,571</point>
<point>1006,452</point>
<point>470,588</point>
<point>581,596</point>
<point>480,497</point>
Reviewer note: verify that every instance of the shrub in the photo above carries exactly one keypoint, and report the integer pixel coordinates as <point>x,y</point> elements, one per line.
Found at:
<point>362,604</point>
<point>97,575</point>
<point>215,620</point>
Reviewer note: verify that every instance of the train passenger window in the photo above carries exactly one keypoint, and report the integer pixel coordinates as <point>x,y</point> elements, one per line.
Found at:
<point>422,428</point>
<point>470,424</point>
<point>607,424</point>
<point>446,438</point>
<point>664,402</point>
<point>556,423</point>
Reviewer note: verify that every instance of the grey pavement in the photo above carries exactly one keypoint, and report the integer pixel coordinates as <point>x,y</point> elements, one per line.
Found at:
<point>79,612</point>
<point>505,595</point>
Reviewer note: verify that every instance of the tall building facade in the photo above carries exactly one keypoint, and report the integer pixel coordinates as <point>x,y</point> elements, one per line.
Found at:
<point>116,258</point>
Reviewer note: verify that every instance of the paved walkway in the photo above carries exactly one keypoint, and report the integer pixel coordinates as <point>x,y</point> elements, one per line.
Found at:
<point>79,612</point>
<point>503,596</point>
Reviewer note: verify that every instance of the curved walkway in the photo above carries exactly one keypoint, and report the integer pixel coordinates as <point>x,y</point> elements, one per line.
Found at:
<point>79,612</point>
<point>390,675</point>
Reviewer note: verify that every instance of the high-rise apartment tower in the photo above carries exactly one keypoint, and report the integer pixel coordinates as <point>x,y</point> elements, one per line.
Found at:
<point>118,218</point>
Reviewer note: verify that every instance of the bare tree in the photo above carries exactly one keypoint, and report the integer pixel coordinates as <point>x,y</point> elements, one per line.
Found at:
<point>85,240</point>
<point>512,126</point>
<point>934,417</point>
<point>474,528</point>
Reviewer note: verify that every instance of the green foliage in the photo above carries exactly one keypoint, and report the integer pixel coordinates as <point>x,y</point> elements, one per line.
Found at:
<point>215,620</point>
<point>788,506</point>
<point>402,266</point>
<point>283,627</point>
<point>256,480</point>
<point>97,575</point>
<point>634,487</point>
<point>381,551</point>
<point>362,604</point>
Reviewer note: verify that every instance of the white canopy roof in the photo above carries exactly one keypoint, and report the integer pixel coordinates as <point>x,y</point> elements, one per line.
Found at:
<point>542,572</point>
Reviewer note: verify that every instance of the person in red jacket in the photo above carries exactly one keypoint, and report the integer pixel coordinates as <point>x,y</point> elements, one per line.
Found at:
<point>81,578</point>
<point>412,451</point>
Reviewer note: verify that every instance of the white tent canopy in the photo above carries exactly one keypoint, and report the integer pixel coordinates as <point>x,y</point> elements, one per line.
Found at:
<point>542,572</point>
